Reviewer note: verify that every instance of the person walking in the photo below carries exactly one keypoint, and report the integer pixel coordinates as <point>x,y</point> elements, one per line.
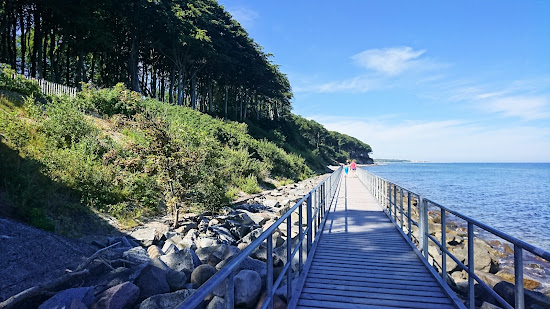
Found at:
<point>353,167</point>
<point>346,168</point>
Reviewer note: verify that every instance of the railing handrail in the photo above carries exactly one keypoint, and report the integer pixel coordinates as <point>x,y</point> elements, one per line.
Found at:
<point>228,270</point>
<point>382,189</point>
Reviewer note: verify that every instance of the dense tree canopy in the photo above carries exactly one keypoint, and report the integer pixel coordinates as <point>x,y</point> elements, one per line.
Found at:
<point>186,52</point>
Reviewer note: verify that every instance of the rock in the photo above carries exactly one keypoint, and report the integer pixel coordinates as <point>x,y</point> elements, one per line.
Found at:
<point>484,260</point>
<point>136,254</point>
<point>63,299</point>
<point>528,282</point>
<point>120,296</point>
<point>181,243</point>
<point>490,279</point>
<point>184,260</point>
<point>253,235</point>
<point>207,242</point>
<point>168,300</point>
<point>487,305</point>
<point>150,233</point>
<point>152,281</point>
<point>231,252</point>
<point>154,251</point>
<point>221,233</point>
<point>532,299</point>
<point>258,219</point>
<point>204,253</point>
<point>216,303</point>
<point>271,203</point>
<point>248,284</point>
<point>169,248</point>
<point>77,304</point>
<point>177,280</point>
<point>278,303</point>
<point>202,273</point>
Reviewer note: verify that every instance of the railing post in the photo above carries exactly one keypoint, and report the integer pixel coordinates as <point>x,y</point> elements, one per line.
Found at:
<point>301,230</point>
<point>423,227</point>
<point>401,205</point>
<point>289,257</point>
<point>409,211</point>
<point>395,203</point>
<point>444,244</point>
<point>230,291</point>
<point>471,267</point>
<point>309,227</point>
<point>269,283</point>
<point>518,272</point>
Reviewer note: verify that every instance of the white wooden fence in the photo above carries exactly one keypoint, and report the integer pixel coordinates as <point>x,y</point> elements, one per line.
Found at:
<point>51,88</point>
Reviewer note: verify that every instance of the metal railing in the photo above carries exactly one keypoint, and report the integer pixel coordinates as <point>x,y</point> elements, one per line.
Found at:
<point>412,220</point>
<point>317,204</point>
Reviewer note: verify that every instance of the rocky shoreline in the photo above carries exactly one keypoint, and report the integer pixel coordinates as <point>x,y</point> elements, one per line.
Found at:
<point>493,264</point>
<point>157,266</point>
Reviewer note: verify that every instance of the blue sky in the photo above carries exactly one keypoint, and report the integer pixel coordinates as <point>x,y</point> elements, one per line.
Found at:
<point>461,81</point>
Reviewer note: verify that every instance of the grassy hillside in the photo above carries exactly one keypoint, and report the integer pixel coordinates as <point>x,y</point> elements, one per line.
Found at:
<point>115,152</point>
<point>112,151</point>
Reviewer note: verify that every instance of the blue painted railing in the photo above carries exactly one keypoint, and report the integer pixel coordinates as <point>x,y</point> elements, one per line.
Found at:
<point>391,197</point>
<point>317,204</point>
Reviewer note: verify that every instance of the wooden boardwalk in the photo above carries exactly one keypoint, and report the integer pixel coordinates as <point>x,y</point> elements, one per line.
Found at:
<point>362,261</point>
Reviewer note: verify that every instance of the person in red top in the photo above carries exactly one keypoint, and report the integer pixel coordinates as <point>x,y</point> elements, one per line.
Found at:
<point>353,167</point>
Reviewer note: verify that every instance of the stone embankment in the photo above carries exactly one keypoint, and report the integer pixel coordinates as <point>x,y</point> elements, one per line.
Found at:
<point>493,264</point>
<point>157,266</point>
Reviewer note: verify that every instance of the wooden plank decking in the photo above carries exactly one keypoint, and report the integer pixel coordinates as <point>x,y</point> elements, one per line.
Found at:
<point>362,261</point>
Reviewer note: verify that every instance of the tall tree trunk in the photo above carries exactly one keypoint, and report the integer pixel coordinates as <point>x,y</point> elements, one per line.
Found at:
<point>181,78</point>
<point>210,96</point>
<point>36,67</point>
<point>80,74</point>
<point>133,64</point>
<point>194,91</point>
<point>162,86</point>
<point>225,102</point>
<point>245,107</point>
<point>23,40</point>
<point>44,54</point>
<point>52,59</point>
<point>92,68</point>
<point>171,89</point>
<point>14,43</point>
<point>153,82</point>
<point>258,106</point>
<point>68,66</point>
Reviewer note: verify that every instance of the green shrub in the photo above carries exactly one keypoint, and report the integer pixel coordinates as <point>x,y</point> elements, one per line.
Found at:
<point>248,184</point>
<point>11,81</point>
<point>65,124</point>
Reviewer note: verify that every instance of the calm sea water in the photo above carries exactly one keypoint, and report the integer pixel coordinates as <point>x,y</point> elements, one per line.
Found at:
<point>512,197</point>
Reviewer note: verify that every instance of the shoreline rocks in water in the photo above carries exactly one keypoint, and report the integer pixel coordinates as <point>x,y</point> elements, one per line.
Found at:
<point>157,266</point>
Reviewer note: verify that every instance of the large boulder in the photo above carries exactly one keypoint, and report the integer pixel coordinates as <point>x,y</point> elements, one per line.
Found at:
<point>184,260</point>
<point>216,303</point>
<point>204,253</point>
<point>120,296</point>
<point>185,227</point>
<point>221,233</point>
<point>137,254</point>
<point>202,273</point>
<point>248,285</point>
<point>278,303</point>
<point>532,299</point>
<point>63,299</point>
<point>152,281</point>
<point>151,233</point>
<point>253,235</point>
<point>168,300</point>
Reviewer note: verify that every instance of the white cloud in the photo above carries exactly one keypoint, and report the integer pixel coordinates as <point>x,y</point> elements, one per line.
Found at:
<point>446,141</point>
<point>359,84</point>
<point>389,61</point>
<point>523,107</point>
<point>384,67</point>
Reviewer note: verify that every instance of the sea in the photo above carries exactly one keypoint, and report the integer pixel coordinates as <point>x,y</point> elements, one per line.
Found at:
<point>511,197</point>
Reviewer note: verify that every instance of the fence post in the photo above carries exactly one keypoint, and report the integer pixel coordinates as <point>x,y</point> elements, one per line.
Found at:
<point>423,226</point>
<point>309,227</point>
<point>518,272</point>
<point>471,267</point>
